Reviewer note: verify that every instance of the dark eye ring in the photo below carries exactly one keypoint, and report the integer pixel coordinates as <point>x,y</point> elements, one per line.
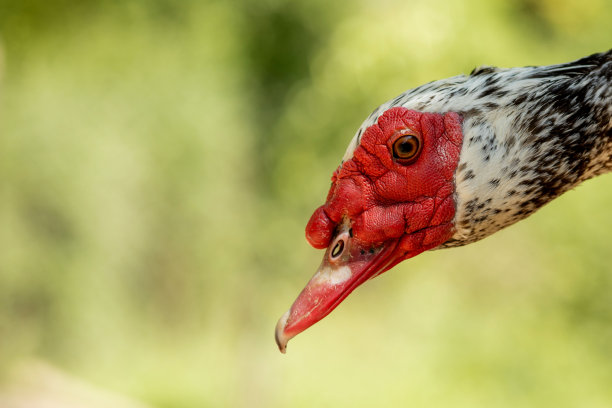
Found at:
<point>407,148</point>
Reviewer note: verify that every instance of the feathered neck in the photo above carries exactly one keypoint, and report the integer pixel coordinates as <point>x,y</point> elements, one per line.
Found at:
<point>542,131</point>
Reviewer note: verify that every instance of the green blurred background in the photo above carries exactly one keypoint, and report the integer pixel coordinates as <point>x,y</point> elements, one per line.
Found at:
<point>158,163</point>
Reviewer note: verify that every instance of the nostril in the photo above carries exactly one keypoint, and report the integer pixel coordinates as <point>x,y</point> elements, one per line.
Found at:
<point>337,250</point>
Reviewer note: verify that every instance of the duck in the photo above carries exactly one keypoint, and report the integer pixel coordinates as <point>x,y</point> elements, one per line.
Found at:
<point>452,162</point>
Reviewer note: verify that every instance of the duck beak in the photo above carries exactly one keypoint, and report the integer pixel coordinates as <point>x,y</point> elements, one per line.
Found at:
<point>346,265</point>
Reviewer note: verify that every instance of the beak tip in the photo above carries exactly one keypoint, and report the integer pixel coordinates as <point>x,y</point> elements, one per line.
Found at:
<point>281,337</point>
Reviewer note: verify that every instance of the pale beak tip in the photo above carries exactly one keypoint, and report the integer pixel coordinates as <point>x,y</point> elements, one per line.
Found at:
<point>281,338</point>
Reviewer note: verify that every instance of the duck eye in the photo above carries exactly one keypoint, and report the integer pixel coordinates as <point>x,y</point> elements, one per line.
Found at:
<point>406,148</point>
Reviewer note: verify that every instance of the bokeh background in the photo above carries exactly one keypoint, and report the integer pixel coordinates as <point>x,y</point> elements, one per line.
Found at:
<point>158,163</point>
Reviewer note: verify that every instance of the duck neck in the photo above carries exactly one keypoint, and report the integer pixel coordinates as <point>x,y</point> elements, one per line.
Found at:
<point>554,133</point>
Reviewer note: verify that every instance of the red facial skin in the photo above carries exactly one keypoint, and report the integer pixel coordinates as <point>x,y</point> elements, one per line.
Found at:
<point>394,210</point>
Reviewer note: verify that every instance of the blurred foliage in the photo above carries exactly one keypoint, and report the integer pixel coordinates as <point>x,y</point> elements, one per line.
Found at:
<point>159,160</point>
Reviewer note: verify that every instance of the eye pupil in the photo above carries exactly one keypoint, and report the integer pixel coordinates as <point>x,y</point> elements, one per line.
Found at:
<point>406,147</point>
